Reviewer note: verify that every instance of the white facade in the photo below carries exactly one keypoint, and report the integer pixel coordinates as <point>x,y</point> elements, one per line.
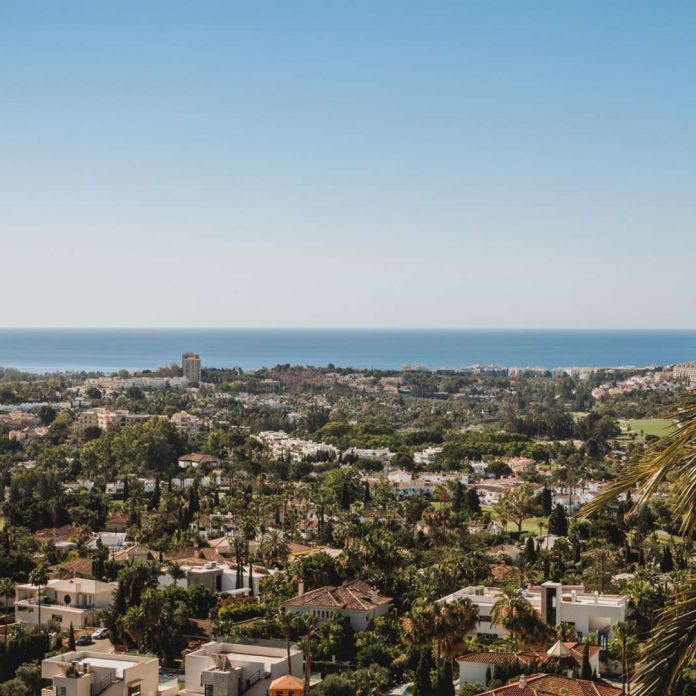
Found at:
<point>587,612</point>
<point>66,601</point>
<point>230,669</point>
<point>87,673</point>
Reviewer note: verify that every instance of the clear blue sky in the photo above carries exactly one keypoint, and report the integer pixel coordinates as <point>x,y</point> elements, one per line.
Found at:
<point>291,163</point>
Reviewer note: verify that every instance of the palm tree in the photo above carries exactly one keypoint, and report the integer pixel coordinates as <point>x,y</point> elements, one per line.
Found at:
<point>418,631</point>
<point>672,644</point>
<point>176,572</point>
<point>625,634</point>
<point>453,621</point>
<point>273,548</point>
<point>309,626</point>
<point>515,614</point>
<point>39,578</point>
<point>286,621</point>
<point>6,589</point>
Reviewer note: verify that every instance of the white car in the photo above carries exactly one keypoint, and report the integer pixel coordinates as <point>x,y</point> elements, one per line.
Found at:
<point>100,634</point>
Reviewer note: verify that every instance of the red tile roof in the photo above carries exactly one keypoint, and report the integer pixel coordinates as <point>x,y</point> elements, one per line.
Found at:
<point>554,685</point>
<point>351,595</point>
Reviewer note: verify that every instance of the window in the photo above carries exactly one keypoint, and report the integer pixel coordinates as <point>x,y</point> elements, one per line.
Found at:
<point>134,690</point>
<point>208,690</point>
<point>61,691</point>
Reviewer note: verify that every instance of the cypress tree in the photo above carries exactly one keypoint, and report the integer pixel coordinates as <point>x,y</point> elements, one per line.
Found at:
<point>666,562</point>
<point>473,502</point>
<point>71,637</point>
<point>530,554</point>
<point>423,685</point>
<point>546,501</point>
<point>558,522</point>
<point>586,669</point>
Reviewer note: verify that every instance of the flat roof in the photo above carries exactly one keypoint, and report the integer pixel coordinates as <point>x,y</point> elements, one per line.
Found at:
<point>118,665</point>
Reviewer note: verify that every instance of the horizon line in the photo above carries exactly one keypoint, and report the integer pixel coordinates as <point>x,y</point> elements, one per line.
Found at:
<point>347,328</point>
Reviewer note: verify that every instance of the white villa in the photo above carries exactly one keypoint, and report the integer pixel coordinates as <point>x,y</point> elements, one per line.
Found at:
<point>556,604</point>
<point>232,669</point>
<point>86,673</point>
<point>357,601</point>
<point>66,601</point>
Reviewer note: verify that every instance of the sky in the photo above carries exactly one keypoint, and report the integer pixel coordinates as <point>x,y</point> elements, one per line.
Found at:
<point>348,164</point>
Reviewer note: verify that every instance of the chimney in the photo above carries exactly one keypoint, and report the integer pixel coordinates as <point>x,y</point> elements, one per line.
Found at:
<point>300,588</point>
<point>374,596</point>
<point>523,681</point>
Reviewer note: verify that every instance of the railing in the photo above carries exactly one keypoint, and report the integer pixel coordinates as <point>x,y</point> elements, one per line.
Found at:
<point>103,684</point>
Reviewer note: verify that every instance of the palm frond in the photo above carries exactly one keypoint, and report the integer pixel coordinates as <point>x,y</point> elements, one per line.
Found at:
<point>673,457</point>
<point>672,645</point>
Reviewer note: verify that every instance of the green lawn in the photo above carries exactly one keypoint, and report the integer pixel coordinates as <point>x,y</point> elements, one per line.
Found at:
<point>530,525</point>
<point>647,426</point>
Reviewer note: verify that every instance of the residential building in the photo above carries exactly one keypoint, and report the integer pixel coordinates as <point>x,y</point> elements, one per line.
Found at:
<point>479,667</point>
<point>196,459</point>
<point>191,367</point>
<point>555,604</point>
<point>87,673</point>
<point>232,669</point>
<point>66,601</point>
<point>356,600</point>
<point>185,423</point>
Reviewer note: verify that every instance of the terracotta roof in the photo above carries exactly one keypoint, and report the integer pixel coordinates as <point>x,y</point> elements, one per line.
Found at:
<point>527,657</point>
<point>287,682</point>
<point>130,551</point>
<point>81,567</point>
<point>64,533</point>
<point>554,685</point>
<point>198,458</point>
<point>351,595</point>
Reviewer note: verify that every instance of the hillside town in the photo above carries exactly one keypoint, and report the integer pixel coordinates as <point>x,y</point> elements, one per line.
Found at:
<point>302,530</point>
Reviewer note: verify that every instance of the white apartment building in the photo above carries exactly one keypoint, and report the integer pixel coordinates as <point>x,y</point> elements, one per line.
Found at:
<point>232,669</point>
<point>87,673</point>
<point>383,454</point>
<point>122,383</point>
<point>555,604</point>
<point>66,601</point>
<point>282,445</point>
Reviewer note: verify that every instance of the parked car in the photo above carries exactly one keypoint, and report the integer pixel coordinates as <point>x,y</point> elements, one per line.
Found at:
<point>100,634</point>
<point>84,640</point>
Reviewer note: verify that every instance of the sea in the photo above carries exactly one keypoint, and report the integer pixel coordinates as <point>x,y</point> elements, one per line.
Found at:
<point>110,350</point>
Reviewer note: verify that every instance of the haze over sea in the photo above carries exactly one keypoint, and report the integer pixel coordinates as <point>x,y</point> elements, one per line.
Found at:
<point>108,350</point>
